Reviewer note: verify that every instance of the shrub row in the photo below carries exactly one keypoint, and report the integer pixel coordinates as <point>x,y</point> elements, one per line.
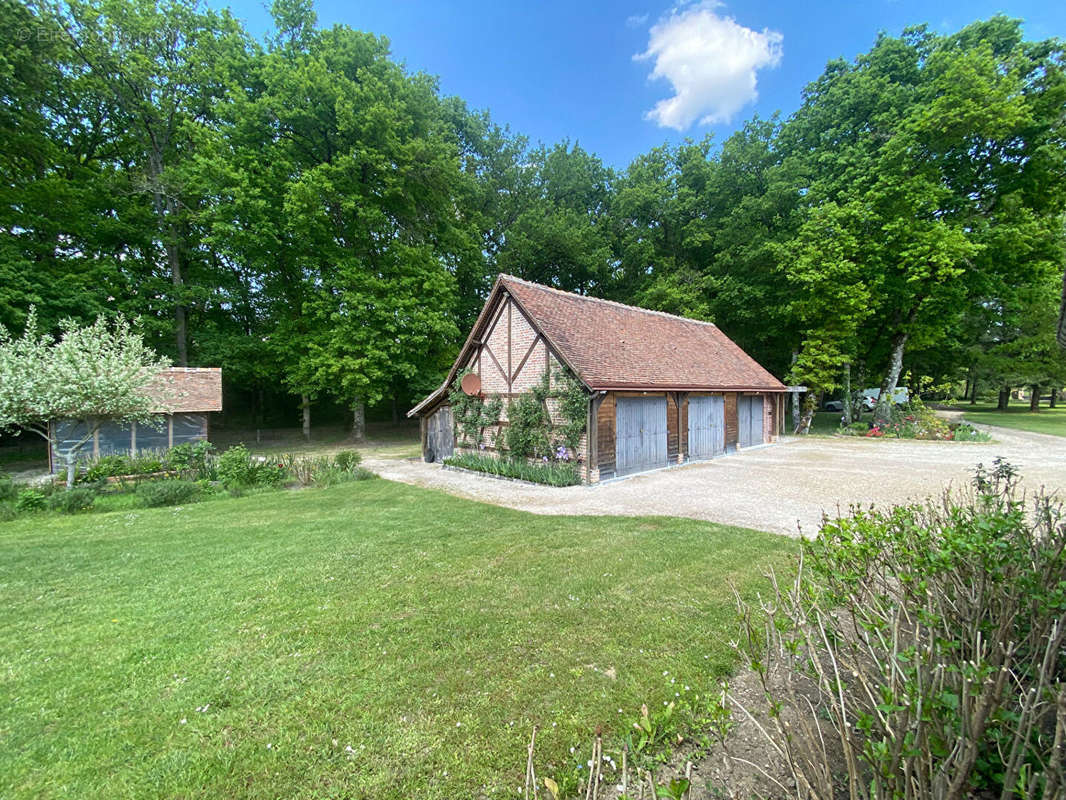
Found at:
<point>552,473</point>
<point>923,648</point>
<point>202,473</point>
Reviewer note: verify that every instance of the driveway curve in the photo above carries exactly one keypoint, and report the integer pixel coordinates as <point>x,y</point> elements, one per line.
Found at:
<point>784,488</point>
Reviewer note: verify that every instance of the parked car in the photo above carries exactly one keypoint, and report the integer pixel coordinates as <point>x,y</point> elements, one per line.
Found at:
<point>868,401</point>
<point>900,396</point>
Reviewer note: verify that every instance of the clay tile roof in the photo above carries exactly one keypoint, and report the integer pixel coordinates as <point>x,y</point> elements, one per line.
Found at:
<point>182,390</point>
<point>615,346</point>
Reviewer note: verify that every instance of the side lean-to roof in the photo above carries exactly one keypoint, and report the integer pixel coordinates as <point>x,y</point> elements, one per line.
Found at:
<point>180,390</point>
<point>609,345</point>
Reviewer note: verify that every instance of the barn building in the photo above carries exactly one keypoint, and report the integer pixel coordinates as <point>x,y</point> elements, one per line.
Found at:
<point>186,395</point>
<point>662,389</point>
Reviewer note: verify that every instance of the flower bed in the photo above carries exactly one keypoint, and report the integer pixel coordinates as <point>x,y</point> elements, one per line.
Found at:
<point>551,473</point>
<point>914,420</point>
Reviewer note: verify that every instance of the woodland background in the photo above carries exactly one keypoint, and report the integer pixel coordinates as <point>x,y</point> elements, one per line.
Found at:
<point>324,225</point>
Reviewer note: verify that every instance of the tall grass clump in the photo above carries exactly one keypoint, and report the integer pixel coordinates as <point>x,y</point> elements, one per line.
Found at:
<point>920,652</point>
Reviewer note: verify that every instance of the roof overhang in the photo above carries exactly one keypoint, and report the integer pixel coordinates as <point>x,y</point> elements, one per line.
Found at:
<point>635,387</point>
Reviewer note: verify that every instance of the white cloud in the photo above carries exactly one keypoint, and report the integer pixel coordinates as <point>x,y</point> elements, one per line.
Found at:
<point>711,61</point>
<point>636,20</point>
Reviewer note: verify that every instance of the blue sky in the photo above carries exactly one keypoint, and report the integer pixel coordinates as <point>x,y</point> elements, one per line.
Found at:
<point>584,71</point>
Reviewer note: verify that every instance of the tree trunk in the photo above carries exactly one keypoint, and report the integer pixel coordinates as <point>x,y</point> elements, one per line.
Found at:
<point>181,326</point>
<point>259,404</point>
<point>848,403</point>
<point>305,408</point>
<point>395,410</point>
<point>72,468</point>
<point>803,424</point>
<point>1060,330</point>
<point>1004,398</point>
<point>358,420</point>
<point>973,390</point>
<point>885,400</point>
<point>1054,397</point>
<point>166,208</point>
<point>795,401</point>
<point>1034,397</point>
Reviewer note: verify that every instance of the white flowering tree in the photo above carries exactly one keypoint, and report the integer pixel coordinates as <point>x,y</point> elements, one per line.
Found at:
<point>91,374</point>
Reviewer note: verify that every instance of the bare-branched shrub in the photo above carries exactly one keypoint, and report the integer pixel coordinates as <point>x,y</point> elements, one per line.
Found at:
<point>919,652</point>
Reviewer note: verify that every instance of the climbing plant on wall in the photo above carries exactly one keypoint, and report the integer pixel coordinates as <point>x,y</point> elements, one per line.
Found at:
<point>573,402</point>
<point>472,414</point>
<point>530,430</point>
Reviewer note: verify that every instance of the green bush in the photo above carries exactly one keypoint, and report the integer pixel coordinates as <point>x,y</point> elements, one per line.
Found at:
<point>192,460</point>
<point>8,492</point>
<point>348,459</point>
<point>72,501</point>
<point>931,639</point>
<point>7,511</point>
<point>528,425</point>
<point>855,429</point>
<point>551,473</point>
<point>326,470</point>
<point>965,432</point>
<point>239,469</point>
<point>30,500</point>
<point>105,467</point>
<point>168,493</point>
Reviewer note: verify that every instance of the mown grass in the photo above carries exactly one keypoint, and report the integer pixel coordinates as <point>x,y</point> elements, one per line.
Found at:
<point>1047,420</point>
<point>371,640</point>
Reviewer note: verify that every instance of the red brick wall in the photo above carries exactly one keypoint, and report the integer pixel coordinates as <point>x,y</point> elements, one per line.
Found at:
<point>512,359</point>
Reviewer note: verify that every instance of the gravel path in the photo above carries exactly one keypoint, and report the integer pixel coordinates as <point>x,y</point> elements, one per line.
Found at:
<point>782,488</point>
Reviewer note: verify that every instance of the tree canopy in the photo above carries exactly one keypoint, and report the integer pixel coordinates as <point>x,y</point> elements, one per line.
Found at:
<point>324,224</point>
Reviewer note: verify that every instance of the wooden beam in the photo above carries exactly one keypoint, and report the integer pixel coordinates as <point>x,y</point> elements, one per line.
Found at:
<point>525,358</point>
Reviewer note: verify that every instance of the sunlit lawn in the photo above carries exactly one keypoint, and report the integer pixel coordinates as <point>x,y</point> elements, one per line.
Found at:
<point>372,640</point>
<point>1019,417</point>
<point>383,440</point>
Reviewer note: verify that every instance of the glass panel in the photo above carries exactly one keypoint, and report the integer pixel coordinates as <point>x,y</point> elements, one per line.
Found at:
<point>114,438</point>
<point>154,435</point>
<point>188,428</point>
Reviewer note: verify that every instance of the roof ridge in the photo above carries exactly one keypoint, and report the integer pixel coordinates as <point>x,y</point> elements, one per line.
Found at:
<point>505,276</point>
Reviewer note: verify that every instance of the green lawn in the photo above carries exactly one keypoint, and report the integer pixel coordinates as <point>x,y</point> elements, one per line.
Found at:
<point>1019,417</point>
<point>369,640</point>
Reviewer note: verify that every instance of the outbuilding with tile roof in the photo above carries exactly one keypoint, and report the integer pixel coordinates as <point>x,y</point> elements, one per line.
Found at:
<point>662,389</point>
<point>185,396</point>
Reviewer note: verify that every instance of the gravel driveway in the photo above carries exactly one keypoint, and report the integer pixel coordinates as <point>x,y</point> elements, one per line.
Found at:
<point>782,488</point>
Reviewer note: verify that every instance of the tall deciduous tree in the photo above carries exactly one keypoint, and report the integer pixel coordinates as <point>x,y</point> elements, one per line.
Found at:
<point>164,67</point>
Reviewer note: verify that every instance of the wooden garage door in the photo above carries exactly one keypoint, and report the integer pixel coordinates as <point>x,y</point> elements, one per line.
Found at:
<point>706,427</point>
<point>640,439</point>
<point>749,420</point>
<point>440,435</point>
